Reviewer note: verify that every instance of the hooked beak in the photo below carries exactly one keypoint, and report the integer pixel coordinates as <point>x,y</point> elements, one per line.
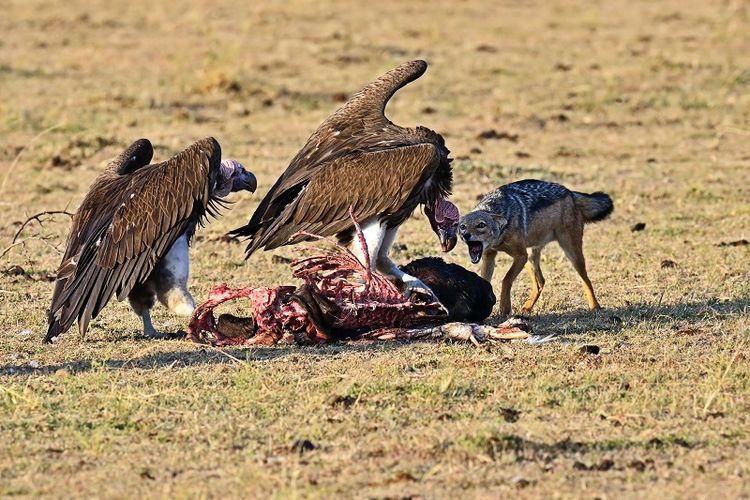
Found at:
<point>447,239</point>
<point>245,181</point>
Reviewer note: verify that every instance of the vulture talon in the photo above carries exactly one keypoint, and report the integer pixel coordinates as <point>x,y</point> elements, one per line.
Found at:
<point>414,288</point>
<point>419,294</point>
<point>156,335</point>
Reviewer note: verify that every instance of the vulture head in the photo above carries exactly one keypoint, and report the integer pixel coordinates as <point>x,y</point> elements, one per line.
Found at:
<point>232,177</point>
<point>443,216</point>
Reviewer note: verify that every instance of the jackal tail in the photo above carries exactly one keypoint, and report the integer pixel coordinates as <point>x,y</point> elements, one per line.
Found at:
<point>595,206</point>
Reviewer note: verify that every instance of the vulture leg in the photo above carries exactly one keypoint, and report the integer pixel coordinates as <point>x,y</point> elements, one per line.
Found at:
<point>142,298</point>
<point>148,327</point>
<point>171,276</point>
<point>373,232</point>
<point>389,269</point>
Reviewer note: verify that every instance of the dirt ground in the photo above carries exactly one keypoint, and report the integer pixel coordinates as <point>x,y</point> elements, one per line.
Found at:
<point>648,101</point>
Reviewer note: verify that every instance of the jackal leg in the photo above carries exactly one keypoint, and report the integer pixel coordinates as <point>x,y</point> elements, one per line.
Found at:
<point>537,279</point>
<point>572,245</point>
<point>487,267</point>
<point>519,260</point>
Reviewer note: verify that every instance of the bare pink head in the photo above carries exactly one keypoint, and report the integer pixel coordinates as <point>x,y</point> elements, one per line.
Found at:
<point>443,216</point>
<point>233,177</point>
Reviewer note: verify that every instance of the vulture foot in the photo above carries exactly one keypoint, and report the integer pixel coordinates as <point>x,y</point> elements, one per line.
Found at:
<point>414,287</point>
<point>152,333</point>
<point>148,328</point>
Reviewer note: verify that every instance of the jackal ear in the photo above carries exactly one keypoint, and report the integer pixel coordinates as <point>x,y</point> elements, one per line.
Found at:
<point>500,221</point>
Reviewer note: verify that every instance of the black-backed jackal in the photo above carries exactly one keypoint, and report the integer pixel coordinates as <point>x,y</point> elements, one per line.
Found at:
<point>530,214</point>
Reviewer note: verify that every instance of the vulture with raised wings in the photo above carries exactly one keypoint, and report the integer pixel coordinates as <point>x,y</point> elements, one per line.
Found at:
<point>359,159</point>
<point>130,235</point>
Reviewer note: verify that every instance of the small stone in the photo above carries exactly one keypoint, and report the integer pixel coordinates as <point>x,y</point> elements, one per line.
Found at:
<point>14,270</point>
<point>640,226</point>
<point>589,349</point>
<point>34,364</point>
<point>302,446</point>
<point>510,414</point>
<point>494,134</point>
<point>520,482</point>
<point>736,243</point>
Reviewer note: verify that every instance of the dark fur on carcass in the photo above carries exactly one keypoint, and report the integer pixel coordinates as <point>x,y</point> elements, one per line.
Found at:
<point>466,295</point>
<point>236,326</point>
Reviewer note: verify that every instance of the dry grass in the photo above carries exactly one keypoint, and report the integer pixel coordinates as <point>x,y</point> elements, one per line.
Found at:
<point>646,100</point>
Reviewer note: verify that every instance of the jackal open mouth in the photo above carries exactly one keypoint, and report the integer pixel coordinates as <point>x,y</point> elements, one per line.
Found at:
<point>475,250</point>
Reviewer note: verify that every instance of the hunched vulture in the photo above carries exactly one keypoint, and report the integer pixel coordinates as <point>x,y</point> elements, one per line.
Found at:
<point>130,235</point>
<point>359,159</point>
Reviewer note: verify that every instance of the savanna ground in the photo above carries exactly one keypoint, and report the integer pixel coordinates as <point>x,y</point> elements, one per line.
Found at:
<point>645,100</point>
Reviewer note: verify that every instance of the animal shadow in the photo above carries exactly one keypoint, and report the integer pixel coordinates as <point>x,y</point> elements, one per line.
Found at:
<point>203,355</point>
<point>614,320</point>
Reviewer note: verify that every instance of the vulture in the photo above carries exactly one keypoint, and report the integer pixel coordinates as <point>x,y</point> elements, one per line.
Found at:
<point>358,161</point>
<point>130,235</point>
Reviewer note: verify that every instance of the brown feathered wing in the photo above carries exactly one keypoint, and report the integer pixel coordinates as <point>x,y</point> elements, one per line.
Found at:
<point>129,219</point>
<point>358,158</point>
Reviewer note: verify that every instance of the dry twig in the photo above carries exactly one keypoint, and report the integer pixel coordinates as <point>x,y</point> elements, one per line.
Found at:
<point>37,217</point>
